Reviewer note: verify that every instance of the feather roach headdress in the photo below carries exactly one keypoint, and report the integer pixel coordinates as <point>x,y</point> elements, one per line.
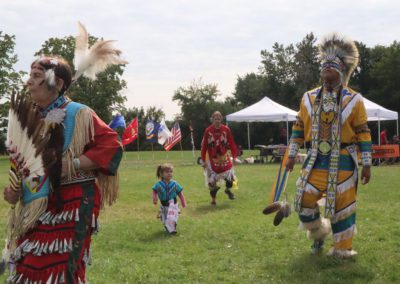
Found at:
<point>339,53</point>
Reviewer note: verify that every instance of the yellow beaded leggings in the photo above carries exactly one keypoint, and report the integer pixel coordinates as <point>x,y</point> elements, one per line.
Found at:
<point>343,222</point>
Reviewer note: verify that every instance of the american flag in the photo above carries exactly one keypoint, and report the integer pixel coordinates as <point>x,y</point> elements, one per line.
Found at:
<point>175,138</point>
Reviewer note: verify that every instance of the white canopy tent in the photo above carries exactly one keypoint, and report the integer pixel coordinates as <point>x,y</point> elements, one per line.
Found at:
<point>266,110</point>
<point>378,113</point>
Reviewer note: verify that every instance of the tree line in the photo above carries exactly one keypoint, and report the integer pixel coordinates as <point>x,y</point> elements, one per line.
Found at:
<point>284,74</point>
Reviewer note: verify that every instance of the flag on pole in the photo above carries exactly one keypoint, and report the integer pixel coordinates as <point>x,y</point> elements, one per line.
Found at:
<point>130,133</point>
<point>117,121</point>
<point>175,138</point>
<point>163,132</point>
<point>151,131</point>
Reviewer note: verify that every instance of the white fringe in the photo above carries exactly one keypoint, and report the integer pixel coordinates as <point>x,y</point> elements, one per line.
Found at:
<point>38,248</point>
<point>341,253</point>
<point>320,233</point>
<point>212,177</point>
<point>311,189</point>
<point>346,234</point>
<point>82,136</point>
<point>311,225</point>
<point>347,184</point>
<point>309,211</point>
<point>344,213</point>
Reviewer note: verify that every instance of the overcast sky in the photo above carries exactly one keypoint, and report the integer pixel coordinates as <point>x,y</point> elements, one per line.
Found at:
<point>170,43</point>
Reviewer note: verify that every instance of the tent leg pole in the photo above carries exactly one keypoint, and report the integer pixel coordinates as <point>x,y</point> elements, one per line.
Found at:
<point>379,136</point>
<point>287,131</point>
<point>248,135</point>
<point>379,131</point>
<point>397,127</point>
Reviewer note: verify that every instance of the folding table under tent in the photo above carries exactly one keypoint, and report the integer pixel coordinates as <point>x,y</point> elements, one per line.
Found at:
<point>266,110</point>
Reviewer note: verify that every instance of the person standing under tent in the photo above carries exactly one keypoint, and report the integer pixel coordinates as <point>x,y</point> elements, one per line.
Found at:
<point>383,136</point>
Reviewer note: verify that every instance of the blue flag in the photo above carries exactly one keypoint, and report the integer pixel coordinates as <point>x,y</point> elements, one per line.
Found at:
<point>151,131</point>
<point>118,121</point>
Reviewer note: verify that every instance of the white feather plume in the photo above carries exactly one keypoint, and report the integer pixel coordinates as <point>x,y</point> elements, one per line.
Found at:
<point>50,77</point>
<point>91,61</point>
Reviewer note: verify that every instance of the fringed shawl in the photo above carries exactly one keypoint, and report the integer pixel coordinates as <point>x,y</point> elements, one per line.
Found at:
<point>79,133</point>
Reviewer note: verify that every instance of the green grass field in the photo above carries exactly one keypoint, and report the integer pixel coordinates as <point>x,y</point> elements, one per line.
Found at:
<point>233,242</point>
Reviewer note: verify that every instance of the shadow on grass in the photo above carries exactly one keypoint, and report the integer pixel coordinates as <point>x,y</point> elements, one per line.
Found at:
<point>322,269</point>
<point>208,208</point>
<point>160,235</point>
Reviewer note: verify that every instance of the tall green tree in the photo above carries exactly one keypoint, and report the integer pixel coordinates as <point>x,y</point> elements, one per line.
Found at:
<point>249,89</point>
<point>10,80</point>
<point>285,73</point>
<point>103,95</point>
<point>198,101</point>
<point>384,83</point>
<point>306,65</point>
<point>385,87</point>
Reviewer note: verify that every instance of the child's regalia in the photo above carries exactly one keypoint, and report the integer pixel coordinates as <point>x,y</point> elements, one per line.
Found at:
<point>169,210</point>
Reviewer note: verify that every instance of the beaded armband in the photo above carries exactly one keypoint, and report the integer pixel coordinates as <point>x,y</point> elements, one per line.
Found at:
<point>366,158</point>
<point>293,149</point>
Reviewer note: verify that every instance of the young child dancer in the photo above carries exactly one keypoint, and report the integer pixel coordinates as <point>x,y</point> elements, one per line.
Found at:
<point>167,189</point>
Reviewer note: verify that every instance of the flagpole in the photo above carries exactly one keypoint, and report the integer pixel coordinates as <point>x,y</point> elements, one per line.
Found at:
<point>192,141</point>
<point>124,155</point>
<point>180,143</point>
<point>138,143</point>
<point>152,152</point>
<point>193,148</point>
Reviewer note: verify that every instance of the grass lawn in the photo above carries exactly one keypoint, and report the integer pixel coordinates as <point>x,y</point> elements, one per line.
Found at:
<point>233,242</point>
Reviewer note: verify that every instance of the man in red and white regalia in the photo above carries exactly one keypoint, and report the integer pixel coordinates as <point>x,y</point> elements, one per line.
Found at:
<point>217,162</point>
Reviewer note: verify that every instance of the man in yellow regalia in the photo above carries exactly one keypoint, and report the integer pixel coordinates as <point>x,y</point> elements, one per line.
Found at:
<point>332,123</point>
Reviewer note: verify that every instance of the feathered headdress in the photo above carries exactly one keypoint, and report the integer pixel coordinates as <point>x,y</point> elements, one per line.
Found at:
<point>91,61</point>
<point>339,53</point>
